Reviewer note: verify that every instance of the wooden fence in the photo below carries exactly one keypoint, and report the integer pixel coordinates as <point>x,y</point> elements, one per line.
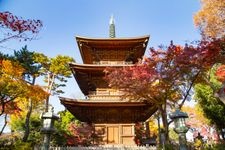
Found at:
<point>105,147</point>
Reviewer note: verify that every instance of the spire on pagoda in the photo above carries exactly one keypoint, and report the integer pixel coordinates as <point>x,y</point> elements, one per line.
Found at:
<point>112,32</point>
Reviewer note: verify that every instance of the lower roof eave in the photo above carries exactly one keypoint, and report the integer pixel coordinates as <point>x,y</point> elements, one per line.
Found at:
<point>109,112</point>
<point>84,102</point>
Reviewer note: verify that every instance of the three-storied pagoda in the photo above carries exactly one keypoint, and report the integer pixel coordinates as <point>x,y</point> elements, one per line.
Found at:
<point>113,117</point>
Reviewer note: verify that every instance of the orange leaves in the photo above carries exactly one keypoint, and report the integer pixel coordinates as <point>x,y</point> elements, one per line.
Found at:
<point>36,93</point>
<point>220,73</point>
<point>11,85</point>
<point>12,108</point>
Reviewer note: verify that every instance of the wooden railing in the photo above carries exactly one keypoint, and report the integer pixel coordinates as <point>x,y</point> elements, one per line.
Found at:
<point>105,147</point>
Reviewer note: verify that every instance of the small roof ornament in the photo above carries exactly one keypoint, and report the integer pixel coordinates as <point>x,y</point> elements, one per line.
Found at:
<point>111,21</point>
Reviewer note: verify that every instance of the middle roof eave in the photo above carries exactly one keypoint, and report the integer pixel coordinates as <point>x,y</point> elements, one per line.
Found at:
<point>94,67</point>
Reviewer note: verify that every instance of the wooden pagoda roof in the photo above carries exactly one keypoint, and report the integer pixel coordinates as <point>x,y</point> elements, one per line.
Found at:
<point>111,49</point>
<point>87,74</point>
<point>108,112</point>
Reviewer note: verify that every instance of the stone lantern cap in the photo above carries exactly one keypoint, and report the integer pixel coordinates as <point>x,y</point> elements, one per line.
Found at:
<point>178,114</point>
<point>49,114</point>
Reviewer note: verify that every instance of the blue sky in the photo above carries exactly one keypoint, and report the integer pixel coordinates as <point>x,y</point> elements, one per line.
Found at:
<point>63,20</point>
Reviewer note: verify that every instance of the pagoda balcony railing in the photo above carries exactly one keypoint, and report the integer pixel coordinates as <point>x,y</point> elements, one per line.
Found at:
<point>106,92</point>
<point>105,97</point>
<point>113,62</point>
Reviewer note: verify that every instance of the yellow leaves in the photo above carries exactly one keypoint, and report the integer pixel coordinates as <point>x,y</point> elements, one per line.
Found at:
<point>11,69</point>
<point>156,82</point>
<point>15,90</point>
<point>11,83</point>
<point>59,65</point>
<point>153,128</point>
<point>211,18</point>
<point>196,117</point>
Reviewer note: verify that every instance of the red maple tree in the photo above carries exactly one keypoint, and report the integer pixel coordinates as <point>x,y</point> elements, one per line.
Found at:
<point>167,76</point>
<point>80,134</point>
<point>17,28</point>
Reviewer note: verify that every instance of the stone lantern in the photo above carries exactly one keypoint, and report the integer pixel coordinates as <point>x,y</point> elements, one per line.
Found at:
<point>180,127</point>
<point>48,126</point>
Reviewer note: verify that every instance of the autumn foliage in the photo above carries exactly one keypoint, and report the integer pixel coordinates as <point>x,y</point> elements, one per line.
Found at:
<point>167,76</point>
<point>13,87</point>
<point>80,134</point>
<point>166,70</point>
<point>15,27</point>
<point>221,73</point>
<point>210,18</point>
<point>18,24</point>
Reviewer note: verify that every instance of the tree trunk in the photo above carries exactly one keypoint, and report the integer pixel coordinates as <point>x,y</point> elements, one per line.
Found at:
<point>27,122</point>
<point>46,104</point>
<point>165,122</point>
<point>159,130</point>
<point>222,134</point>
<point>5,123</point>
<point>51,80</point>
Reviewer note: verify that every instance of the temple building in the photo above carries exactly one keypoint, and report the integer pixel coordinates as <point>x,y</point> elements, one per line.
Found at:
<point>113,117</point>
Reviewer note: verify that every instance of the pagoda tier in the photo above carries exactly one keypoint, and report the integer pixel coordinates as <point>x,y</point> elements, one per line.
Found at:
<point>89,77</point>
<point>109,112</point>
<point>94,50</point>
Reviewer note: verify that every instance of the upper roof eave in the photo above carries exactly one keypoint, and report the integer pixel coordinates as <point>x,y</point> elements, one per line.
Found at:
<point>88,46</point>
<point>114,39</point>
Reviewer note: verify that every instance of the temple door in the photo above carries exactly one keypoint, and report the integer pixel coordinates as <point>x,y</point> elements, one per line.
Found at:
<point>113,135</point>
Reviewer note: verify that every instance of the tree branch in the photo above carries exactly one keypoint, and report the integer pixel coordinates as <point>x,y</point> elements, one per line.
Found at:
<point>5,123</point>
<point>189,89</point>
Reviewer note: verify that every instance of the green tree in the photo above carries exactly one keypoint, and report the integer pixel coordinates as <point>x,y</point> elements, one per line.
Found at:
<point>71,131</point>
<point>62,132</point>
<point>55,71</point>
<point>213,108</point>
<point>26,59</point>
<point>18,124</point>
